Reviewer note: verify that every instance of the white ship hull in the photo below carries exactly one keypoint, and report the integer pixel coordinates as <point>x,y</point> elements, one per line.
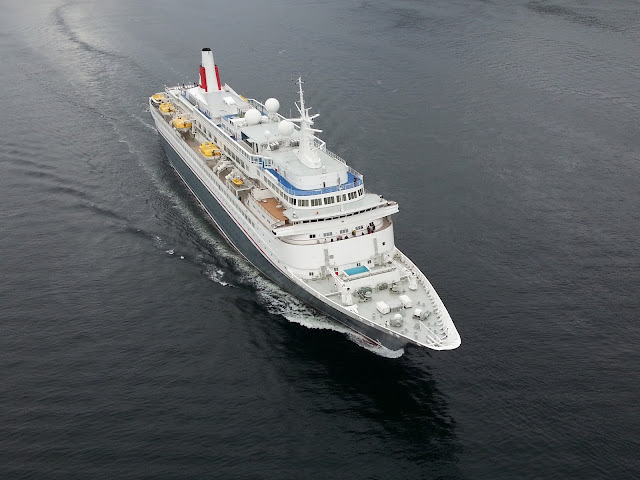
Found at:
<point>305,267</point>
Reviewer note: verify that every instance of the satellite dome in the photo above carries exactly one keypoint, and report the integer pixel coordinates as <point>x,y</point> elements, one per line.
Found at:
<point>272,105</point>
<point>286,128</point>
<point>252,116</point>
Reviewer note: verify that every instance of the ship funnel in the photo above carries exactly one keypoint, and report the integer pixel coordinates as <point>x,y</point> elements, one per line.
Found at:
<point>209,76</point>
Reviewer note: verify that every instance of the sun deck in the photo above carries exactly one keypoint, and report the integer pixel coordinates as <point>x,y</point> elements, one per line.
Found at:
<point>352,182</point>
<point>273,208</point>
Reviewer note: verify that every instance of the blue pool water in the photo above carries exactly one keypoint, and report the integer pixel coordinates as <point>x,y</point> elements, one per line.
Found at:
<point>356,270</point>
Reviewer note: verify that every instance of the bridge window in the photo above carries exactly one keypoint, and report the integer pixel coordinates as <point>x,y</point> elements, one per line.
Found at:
<point>313,235</point>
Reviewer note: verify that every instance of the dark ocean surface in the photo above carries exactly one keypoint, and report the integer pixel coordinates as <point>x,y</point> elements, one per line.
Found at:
<point>134,342</point>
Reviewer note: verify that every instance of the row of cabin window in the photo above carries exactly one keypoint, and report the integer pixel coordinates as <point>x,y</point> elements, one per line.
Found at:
<point>246,216</point>
<point>329,234</point>
<point>232,154</point>
<point>316,202</point>
<point>211,138</point>
<point>333,218</point>
<point>228,194</point>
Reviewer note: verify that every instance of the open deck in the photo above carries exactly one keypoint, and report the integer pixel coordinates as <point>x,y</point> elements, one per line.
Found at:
<point>352,182</point>
<point>396,283</point>
<point>271,205</point>
<point>273,208</point>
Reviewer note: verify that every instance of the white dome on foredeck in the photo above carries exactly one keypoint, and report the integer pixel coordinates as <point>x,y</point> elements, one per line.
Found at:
<point>252,116</point>
<point>272,105</point>
<point>286,128</point>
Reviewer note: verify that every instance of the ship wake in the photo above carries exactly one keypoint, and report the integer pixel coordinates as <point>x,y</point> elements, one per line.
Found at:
<point>280,302</point>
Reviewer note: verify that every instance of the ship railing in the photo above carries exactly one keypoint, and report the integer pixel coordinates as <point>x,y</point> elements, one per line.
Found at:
<point>356,174</point>
<point>342,160</point>
<point>342,287</point>
<point>232,144</point>
<point>441,323</point>
<point>442,318</point>
<point>189,98</point>
<point>317,143</point>
<point>262,109</point>
<point>267,162</point>
<point>370,273</point>
<point>322,145</point>
<point>315,191</point>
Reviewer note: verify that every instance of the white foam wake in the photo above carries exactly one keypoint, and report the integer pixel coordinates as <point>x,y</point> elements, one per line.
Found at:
<point>144,122</point>
<point>377,349</point>
<point>280,302</point>
<point>216,274</point>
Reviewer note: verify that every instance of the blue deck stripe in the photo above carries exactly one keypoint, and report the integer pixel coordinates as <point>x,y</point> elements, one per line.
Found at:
<point>317,191</point>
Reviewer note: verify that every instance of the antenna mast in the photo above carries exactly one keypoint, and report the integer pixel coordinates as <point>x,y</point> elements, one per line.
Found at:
<point>305,152</point>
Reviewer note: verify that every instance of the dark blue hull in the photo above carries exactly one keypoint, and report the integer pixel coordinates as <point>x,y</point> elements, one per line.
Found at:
<point>241,242</point>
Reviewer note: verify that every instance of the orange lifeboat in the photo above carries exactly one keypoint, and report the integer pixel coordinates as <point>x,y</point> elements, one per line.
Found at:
<point>182,123</point>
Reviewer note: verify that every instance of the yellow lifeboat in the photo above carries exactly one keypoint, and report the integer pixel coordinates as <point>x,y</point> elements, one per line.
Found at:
<point>209,149</point>
<point>166,108</point>
<point>237,181</point>
<point>182,123</point>
<point>157,99</point>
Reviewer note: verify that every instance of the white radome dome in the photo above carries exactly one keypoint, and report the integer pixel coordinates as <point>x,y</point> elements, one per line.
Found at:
<point>286,128</point>
<point>252,116</point>
<point>272,105</point>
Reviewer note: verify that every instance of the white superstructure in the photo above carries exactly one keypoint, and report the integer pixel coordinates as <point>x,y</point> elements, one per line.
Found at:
<point>297,211</point>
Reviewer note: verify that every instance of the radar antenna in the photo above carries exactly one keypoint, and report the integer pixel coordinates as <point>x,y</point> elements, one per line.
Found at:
<point>306,152</point>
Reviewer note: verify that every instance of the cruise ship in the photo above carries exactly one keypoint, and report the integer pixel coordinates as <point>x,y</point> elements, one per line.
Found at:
<point>297,212</point>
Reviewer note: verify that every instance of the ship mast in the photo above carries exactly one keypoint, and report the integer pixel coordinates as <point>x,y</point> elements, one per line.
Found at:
<point>306,152</point>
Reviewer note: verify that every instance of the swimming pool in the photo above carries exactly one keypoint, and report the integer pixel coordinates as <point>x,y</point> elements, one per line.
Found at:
<point>356,270</point>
